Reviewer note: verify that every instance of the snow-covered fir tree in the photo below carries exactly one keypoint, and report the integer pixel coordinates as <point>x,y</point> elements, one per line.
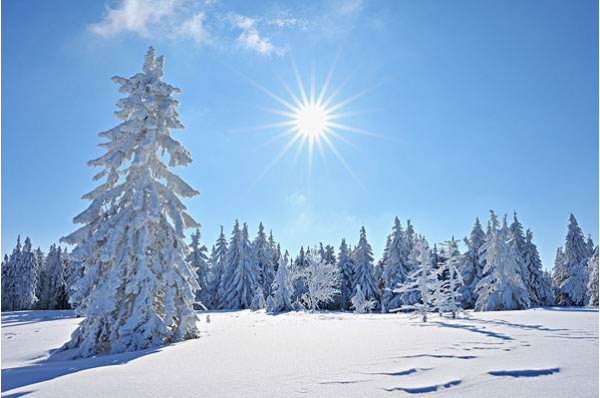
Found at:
<point>570,278</point>
<point>218,264</point>
<point>472,265</point>
<point>502,287</point>
<point>328,254</point>
<point>395,267</point>
<point>593,282</point>
<point>26,278</point>
<point>243,275</point>
<point>40,259</point>
<point>360,304</point>
<point>275,251</point>
<point>447,296</point>
<point>589,242</point>
<point>258,300</point>
<point>363,268</point>
<point>55,291</point>
<point>282,288</point>
<point>198,259</point>
<point>137,289</point>
<point>345,276</point>
<point>424,281</point>
<point>320,279</point>
<point>538,286</point>
<point>263,257</point>
<point>7,280</point>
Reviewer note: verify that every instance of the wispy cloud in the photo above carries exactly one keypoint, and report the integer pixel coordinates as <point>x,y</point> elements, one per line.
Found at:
<point>213,23</point>
<point>250,37</point>
<point>204,22</point>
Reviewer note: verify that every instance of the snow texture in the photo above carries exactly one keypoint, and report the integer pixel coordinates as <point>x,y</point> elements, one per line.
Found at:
<point>542,352</point>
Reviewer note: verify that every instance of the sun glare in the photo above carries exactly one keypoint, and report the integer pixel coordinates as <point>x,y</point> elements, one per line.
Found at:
<point>312,119</point>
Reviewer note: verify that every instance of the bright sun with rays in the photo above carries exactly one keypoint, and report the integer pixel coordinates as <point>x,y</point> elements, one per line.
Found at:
<point>312,119</point>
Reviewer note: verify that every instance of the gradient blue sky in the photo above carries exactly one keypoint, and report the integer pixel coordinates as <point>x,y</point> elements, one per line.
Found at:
<point>477,105</point>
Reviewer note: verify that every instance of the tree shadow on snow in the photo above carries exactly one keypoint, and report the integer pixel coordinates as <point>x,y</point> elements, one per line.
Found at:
<point>33,316</point>
<point>569,309</point>
<point>474,329</point>
<point>46,370</point>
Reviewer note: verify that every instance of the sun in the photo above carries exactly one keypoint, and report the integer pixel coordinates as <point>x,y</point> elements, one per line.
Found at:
<point>312,121</point>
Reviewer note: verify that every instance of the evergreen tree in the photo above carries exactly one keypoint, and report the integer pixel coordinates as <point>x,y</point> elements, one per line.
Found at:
<point>55,288</point>
<point>396,267</point>
<point>424,281</point>
<point>218,264</point>
<point>502,287</point>
<point>26,280</point>
<point>137,289</point>
<point>244,275</point>
<point>198,259</point>
<point>41,272</point>
<point>593,282</point>
<point>363,268</point>
<point>472,265</point>
<point>447,296</point>
<point>570,277</point>
<point>263,256</point>
<point>7,280</point>
<point>590,245</point>
<point>345,272</point>
<point>258,300</point>
<point>282,288</point>
<point>540,291</point>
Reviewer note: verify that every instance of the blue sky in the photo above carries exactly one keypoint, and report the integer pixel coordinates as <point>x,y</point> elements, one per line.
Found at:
<point>472,105</point>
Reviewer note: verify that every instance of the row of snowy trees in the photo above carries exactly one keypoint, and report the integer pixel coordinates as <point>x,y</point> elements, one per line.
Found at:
<point>33,280</point>
<point>500,269</point>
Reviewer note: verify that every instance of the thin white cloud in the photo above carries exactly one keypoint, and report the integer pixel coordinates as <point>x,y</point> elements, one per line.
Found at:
<point>134,16</point>
<point>195,29</point>
<point>204,22</point>
<point>250,37</point>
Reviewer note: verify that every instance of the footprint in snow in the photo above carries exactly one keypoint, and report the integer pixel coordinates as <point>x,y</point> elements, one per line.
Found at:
<point>524,372</point>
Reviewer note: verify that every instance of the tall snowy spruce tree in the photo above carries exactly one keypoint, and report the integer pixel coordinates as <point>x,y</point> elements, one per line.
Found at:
<point>54,289</point>
<point>395,267</point>
<point>137,288</point>
<point>9,278</point>
<point>345,271</point>
<point>538,286</point>
<point>199,262</point>
<point>218,263</point>
<point>472,265</point>
<point>593,282</point>
<point>502,287</point>
<point>242,275</point>
<point>363,268</point>
<point>282,288</point>
<point>26,281</point>
<point>263,256</point>
<point>570,276</point>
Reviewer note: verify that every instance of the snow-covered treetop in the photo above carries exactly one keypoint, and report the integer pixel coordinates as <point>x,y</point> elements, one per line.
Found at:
<point>132,164</point>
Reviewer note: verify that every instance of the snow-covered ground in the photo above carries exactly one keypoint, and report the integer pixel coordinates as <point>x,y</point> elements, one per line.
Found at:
<point>535,353</point>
